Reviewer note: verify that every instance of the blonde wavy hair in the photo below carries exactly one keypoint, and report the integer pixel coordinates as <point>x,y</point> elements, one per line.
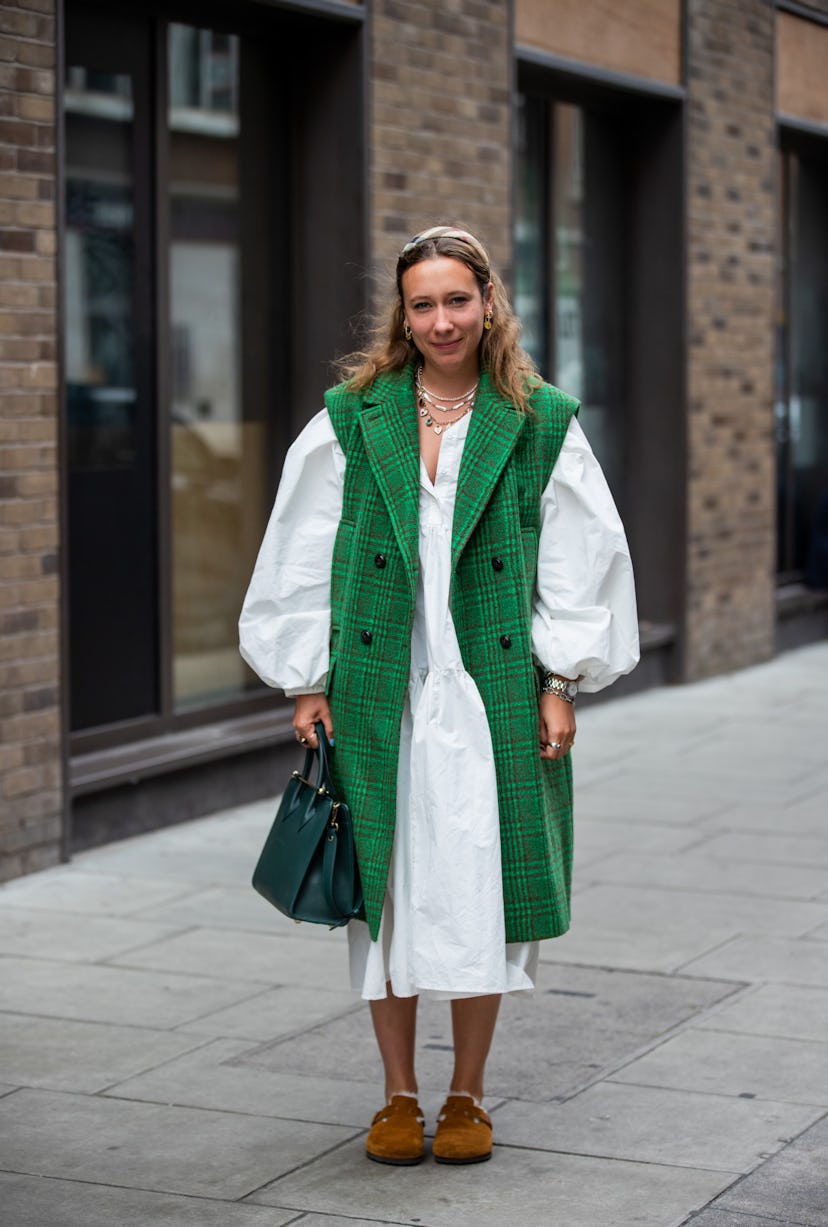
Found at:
<point>509,367</point>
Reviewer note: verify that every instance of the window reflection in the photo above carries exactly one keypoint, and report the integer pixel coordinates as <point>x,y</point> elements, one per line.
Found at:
<point>100,260</point>
<point>802,372</point>
<point>531,263</point>
<point>572,307</point>
<point>218,458</point>
<point>568,201</point>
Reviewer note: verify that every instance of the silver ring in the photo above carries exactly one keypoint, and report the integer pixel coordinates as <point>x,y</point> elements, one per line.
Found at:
<point>303,741</point>
<point>554,745</point>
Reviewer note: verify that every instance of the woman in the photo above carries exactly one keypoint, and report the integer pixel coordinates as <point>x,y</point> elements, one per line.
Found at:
<point>444,567</point>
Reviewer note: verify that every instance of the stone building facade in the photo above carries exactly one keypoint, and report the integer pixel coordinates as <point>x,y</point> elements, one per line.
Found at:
<point>198,210</point>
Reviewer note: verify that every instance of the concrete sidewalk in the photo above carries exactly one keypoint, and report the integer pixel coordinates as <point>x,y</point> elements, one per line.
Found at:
<point>174,1052</point>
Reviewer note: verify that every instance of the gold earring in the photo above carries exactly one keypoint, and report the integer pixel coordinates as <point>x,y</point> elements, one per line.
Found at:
<point>487,321</point>
<point>408,334</point>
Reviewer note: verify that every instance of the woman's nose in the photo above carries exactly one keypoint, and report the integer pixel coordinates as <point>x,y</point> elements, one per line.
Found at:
<point>442,320</point>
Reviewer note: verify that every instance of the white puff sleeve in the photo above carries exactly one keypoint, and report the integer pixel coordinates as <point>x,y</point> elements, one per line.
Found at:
<point>285,623</point>
<point>584,621</point>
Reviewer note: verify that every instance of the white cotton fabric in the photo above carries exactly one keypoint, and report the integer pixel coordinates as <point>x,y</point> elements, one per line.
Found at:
<point>443,928</point>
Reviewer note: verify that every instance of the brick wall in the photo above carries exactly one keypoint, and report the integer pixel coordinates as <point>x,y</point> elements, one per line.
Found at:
<point>440,121</point>
<point>730,270</point>
<point>30,759</point>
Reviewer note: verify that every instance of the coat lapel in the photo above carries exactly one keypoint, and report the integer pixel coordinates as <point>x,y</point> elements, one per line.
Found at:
<point>493,433</point>
<point>389,429</point>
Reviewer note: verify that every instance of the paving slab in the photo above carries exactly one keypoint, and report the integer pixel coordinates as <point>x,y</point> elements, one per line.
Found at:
<point>67,888</point>
<point>150,1146</point>
<point>805,817</point>
<point>253,957</point>
<point>596,839</point>
<point>766,958</point>
<point>733,1218</point>
<point>78,1056</point>
<point>776,849</point>
<point>220,1076</point>
<point>240,908</point>
<point>540,1051</point>
<point>96,993</point>
<point>664,929</point>
<point>529,1187</point>
<point>791,1186</point>
<point>335,1220</point>
<point>276,1013</point>
<point>724,1063</point>
<point>32,1201</point>
<point>650,785</point>
<point>700,870</point>
<point>215,862</point>
<point>657,1125</point>
<point>621,799</point>
<point>774,1009</point>
<point>73,936</point>
<point>221,907</point>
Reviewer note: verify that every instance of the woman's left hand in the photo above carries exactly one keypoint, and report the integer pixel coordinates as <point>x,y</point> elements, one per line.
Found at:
<point>556,726</point>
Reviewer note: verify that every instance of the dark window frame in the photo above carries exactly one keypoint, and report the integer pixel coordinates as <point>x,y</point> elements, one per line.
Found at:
<point>798,142</point>
<point>655,457</point>
<point>328,20</point>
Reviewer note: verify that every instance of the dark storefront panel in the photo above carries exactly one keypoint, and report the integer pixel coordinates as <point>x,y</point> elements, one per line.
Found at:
<point>192,349</point>
<point>111,431</point>
<point>598,243</point>
<point>802,364</point>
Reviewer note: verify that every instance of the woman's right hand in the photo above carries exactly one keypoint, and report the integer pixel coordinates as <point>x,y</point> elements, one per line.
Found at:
<point>307,710</point>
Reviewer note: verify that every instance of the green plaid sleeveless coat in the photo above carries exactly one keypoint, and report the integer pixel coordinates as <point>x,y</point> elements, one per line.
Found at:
<point>507,461</point>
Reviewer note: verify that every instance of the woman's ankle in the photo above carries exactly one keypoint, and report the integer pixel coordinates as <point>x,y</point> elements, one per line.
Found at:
<point>402,1089</point>
<point>473,1089</point>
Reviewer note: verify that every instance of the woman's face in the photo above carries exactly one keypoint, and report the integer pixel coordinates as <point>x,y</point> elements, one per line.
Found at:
<point>444,309</point>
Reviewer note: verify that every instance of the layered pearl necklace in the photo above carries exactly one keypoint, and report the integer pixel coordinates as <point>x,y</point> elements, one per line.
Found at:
<point>428,401</point>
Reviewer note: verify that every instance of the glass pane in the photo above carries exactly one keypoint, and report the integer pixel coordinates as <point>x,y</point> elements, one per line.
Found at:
<point>218,456</point>
<point>531,266</point>
<point>590,248</point>
<point>568,212</point>
<point>100,266</point>
<point>808,402</point>
<point>782,376</point>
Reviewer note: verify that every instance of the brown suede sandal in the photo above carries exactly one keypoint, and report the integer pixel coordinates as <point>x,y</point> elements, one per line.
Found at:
<point>464,1132</point>
<point>396,1133</point>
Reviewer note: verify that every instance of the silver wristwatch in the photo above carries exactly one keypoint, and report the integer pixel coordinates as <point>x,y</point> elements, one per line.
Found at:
<point>563,687</point>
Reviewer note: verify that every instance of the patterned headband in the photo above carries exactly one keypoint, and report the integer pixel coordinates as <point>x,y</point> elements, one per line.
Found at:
<point>445,232</point>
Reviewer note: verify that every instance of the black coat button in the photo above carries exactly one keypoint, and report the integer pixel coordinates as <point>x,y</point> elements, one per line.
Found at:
<point>366,636</point>
<point>505,641</point>
<point>379,561</point>
<point>497,564</point>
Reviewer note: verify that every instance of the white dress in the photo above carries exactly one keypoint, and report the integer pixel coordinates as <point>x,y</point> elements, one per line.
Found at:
<point>442,928</point>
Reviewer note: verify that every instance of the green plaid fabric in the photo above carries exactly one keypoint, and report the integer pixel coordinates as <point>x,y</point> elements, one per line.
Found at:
<point>507,461</point>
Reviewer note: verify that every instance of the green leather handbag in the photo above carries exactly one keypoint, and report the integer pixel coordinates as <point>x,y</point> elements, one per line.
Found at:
<point>308,867</point>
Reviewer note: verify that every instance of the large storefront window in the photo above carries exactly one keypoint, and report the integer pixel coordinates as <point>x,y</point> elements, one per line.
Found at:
<point>218,458</point>
<point>598,287</point>
<point>802,369</point>
<point>192,212</point>
<point>570,248</point>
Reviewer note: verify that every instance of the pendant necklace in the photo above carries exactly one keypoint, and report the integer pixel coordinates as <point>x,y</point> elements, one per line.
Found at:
<point>427,402</point>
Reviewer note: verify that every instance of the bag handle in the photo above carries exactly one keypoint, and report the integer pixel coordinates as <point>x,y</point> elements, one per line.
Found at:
<point>318,754</point>
<point>324,751</point>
